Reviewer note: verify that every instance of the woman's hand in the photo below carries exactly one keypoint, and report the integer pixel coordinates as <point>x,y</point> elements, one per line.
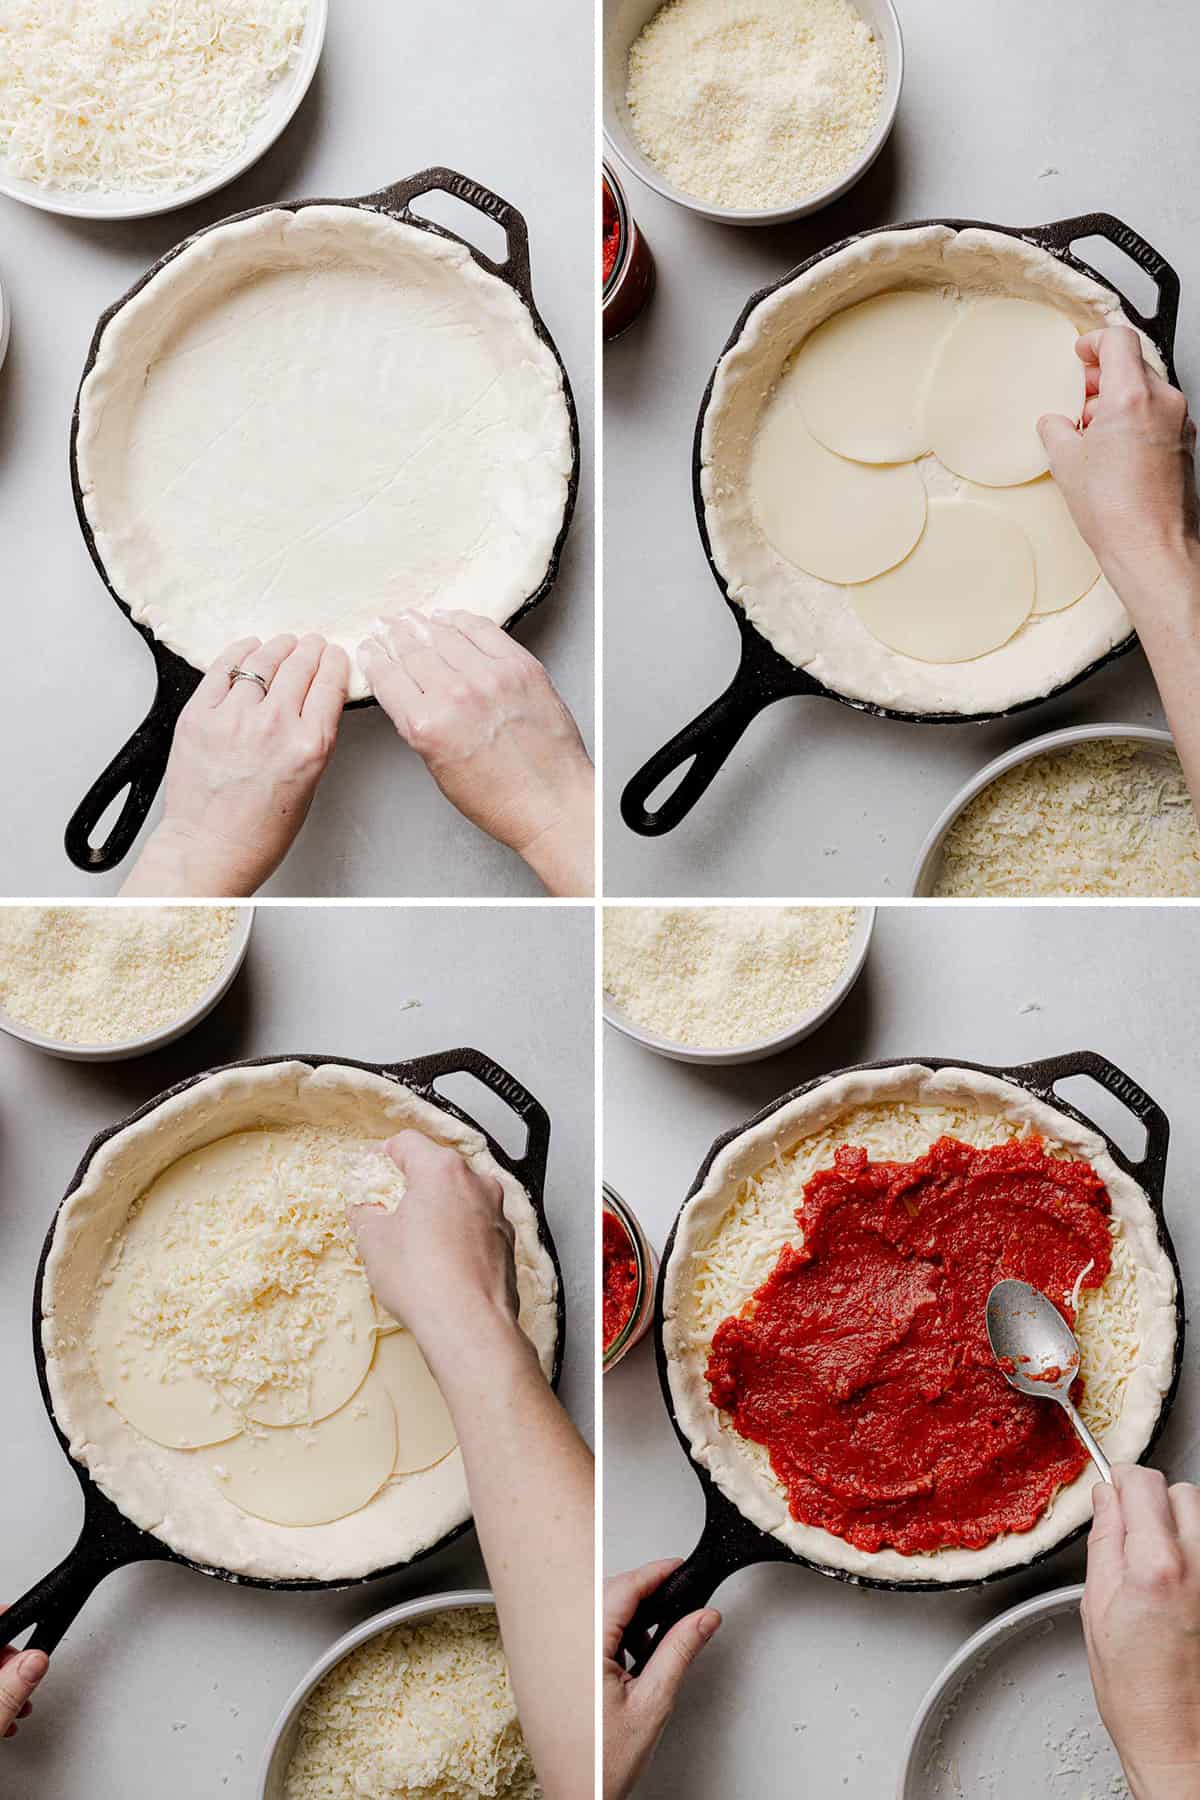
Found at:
<point>1141,1620</point>
<point>442,1263</point>
<point>637,1707</point>
<point>483,715</point>
<point>20,1672</point>
<point>244,767</point>
<point>1127,472</point>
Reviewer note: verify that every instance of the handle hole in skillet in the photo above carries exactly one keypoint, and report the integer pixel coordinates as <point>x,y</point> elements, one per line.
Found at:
<point>670,784</point>
<point>1095,1102</point>
<point>494,1114</point>
<point>1117,266</point>
<point>102,830</point>
<point>465,221</point>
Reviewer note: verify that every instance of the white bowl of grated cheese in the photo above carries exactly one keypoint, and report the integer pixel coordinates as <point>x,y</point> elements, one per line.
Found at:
<point>98,965</point>
<point>820,175</point>
<point>351,1737</point>
<point>1106,814</point>
<point>210,84</point>
<point>673,975</point>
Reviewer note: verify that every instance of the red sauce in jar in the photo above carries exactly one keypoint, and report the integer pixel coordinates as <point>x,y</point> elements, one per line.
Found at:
<point>862,1363</point>
<point>620,1278</point>
<point>610,241</point>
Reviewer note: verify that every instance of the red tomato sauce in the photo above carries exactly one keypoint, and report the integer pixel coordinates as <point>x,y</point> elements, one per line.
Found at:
<point>610,242</point>
<point>620,1279</point>
<point>862,1363</point>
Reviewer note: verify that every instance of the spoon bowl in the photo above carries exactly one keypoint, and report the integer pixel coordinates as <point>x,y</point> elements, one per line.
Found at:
<point>1037,1353</point>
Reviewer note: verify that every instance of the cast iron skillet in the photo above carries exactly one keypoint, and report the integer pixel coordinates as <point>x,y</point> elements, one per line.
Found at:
<point>729,1541</point>
<point>108,1539</point>
<point>140,765</point>
<point>763,675</point>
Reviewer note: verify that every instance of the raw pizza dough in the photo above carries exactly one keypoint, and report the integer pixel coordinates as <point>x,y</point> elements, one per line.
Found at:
<point>171,1491</point>
<point>309,419</point>
<point>882,1105</point>
<point>813,623</point>
<point>843,521</point>
<point>966,588</point>
<point>1063,565</point>
<point>860,378</point>
<point>1004,364</point>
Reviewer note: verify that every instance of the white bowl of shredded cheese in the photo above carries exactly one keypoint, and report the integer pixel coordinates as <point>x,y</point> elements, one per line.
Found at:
<point>750,112</point>
<point>729,984</point>
<point>122,109</point>
<point>102,983</point>
<point>1091,811</point>
<point>430,1713</point>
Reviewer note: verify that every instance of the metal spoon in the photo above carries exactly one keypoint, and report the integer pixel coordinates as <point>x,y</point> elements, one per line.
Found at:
<point>1028,1332</point>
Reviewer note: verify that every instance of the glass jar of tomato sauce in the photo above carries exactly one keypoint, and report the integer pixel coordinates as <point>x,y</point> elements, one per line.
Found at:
<point>629,1268</point>
<point>627,270</point>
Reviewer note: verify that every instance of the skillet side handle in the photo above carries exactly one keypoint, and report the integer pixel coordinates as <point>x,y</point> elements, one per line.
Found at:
<point>706,744</point>
<point>515,268</point>
<point>530,1166</point>
<point>1063,233</point>
<point>139,767</point>
<point>1151,1168</point>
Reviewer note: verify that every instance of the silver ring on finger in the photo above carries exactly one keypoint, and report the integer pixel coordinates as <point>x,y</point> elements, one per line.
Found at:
<point>249,675</point>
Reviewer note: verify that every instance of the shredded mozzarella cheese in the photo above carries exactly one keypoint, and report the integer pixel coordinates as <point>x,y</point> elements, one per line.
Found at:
<point>131,96</point>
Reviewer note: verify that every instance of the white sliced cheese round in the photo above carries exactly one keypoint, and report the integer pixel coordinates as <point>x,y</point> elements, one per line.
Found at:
<point>966,588</point>
<point>170,1404</point>
<point>335,1363</point>
<point>311,1474</point>
<point>1064,566</point>
<point>384,1322</point>
<point>425,1431</point>
<point>1004,364</point>
<point>860,378</point>
<point>842,521</point>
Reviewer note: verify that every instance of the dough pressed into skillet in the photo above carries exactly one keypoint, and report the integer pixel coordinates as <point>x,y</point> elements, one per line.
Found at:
<point>813,623</point>
<point>170,1492</point>
<point>306,420</point>
<point>728,1240</point>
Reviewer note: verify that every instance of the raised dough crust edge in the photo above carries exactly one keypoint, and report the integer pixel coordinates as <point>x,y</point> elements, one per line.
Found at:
<point>719,1449</point>
<point>231,253</point>
<point>166,1491</point>
<point>810,621</point>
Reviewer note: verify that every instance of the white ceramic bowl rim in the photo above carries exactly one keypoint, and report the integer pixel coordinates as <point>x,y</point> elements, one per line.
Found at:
<point>860,942</point>
<point>618,140</point>
<point>426,1606</point>
<point>1049,743</point>
<point>1006,1624</point>
<point>168,1031</point>
<point>282,106</point>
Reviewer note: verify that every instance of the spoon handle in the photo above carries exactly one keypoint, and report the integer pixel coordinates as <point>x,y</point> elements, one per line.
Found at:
<point>1089,1443</point>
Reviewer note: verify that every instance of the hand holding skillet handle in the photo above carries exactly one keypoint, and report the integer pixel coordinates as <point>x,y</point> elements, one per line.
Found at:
<point>1038,1354</point>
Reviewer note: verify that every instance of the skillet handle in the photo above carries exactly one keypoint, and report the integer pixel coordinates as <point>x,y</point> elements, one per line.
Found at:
<point>515,268</point>
<point>706,744</point>
<point>530,1166</point>
<point>1062,233</point>
<point>139,767</point>
<point>53,1604</point>
<point>1150,1169</point>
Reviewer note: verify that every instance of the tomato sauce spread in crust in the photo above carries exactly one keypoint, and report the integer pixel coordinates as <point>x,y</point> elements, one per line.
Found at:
<point>862,1363</point>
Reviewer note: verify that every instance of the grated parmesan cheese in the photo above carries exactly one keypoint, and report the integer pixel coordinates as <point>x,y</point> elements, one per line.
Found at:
<point>716,976</point>
<point>754,103</point>
<point>1101,818</point>
<point>425,1712</point>
<point>108,974</point>
<point>137,96</point>
<point>761,1221</point>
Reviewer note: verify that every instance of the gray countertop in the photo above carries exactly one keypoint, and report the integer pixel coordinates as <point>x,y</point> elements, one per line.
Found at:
<point>485,90</point>
<point>167,1682</point>
<point>1009,113</point>
<point>810,1685</point>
